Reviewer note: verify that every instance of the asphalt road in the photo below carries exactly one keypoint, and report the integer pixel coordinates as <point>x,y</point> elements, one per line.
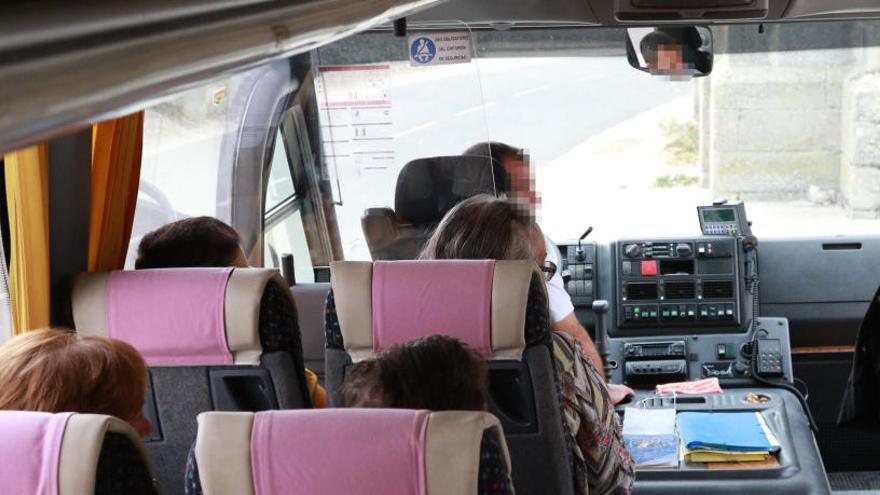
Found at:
<point>547,106</point>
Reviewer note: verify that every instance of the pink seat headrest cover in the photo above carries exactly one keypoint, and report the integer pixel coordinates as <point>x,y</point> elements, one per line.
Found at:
<point>173,317</point>
<point>414,299</point>
<point>30,447</point>
<point>334,451</point>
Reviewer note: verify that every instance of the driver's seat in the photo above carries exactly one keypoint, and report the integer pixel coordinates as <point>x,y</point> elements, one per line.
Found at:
<point>426,189</point>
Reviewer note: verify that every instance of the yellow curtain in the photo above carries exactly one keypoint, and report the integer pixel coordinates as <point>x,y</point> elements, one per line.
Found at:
<point>27,196</point>
<point>116,170</point>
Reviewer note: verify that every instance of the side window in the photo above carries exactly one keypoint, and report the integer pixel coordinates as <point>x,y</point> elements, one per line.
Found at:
<point>284,232</point>
<point>182,170</point>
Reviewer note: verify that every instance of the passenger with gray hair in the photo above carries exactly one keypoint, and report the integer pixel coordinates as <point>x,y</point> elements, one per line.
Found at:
<point>487,227</point>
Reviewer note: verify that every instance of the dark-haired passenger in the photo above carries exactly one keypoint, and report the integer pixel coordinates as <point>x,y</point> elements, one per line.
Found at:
<point>437,373</point>
<point>191,242</point>
<point>204,242</point>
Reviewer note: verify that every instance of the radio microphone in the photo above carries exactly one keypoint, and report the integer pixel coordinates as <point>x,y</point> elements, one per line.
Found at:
<point>579,254</point>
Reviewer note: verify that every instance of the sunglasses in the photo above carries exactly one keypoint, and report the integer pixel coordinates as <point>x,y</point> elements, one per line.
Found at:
<point>549,269</point>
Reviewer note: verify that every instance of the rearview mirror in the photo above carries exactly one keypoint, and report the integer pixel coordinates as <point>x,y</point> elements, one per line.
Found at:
<point>670,51</point>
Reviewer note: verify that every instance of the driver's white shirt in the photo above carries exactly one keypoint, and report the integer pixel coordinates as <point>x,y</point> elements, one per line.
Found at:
<point>559,299</point>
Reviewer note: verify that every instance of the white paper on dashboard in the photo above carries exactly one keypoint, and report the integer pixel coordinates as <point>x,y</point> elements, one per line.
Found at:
<point>638,421</point>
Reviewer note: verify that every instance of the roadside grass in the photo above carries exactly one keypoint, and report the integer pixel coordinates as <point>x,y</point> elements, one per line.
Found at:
<point>684,142</point>
<point>676,180</point>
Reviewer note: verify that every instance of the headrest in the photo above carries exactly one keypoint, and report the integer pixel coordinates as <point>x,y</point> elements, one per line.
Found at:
<point>429,187</point>
<point>177,316</point>
<point>55,453</point>
<point>480,302</point>
<point>388,239</point>
<point>338,451</point>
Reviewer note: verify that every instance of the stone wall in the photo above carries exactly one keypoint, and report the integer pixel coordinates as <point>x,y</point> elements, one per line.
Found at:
<point>860,163</point>
<point>774,116</point>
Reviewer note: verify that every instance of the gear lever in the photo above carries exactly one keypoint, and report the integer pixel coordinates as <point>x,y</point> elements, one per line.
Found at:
<point>579,253</point>
<point>600,308</point>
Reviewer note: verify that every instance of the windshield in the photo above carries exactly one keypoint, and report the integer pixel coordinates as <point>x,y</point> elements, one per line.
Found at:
<point>787,121</point>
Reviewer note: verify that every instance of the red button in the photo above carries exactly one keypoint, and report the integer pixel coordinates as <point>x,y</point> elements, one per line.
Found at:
<point>649,268</point>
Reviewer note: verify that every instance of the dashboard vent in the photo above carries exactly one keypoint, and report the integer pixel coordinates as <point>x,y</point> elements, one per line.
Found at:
<point>717,289</point>
<point>661,250</point>
<point>641,292</point>
<point>680,290</point>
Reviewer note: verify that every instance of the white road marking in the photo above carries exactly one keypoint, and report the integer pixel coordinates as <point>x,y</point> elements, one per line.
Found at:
<point>417,128</point>
<point>520,94</point>
<point>477,108</point>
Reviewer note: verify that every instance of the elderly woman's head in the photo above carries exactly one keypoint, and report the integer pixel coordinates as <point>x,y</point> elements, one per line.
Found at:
<point>483,227</point>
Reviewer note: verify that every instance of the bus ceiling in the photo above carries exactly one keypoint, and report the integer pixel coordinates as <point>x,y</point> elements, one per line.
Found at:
<point>64,65</point>
<point>505,14</point>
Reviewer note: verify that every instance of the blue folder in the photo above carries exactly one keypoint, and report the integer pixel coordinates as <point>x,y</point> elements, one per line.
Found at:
<point>725,431</point>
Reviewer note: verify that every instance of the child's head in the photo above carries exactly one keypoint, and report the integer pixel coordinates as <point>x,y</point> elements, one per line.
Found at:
<point>197,241</point>
<point>438,373</point>
<point>61,371</point>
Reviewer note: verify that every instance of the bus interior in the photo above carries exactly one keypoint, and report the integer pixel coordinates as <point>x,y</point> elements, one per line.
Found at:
<point>713,214</point>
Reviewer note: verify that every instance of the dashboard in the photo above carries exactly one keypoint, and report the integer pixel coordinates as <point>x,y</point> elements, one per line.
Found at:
<point>673,309</point>
<point>672,284</point>
<point>677,283</point>
<point>685,308</point>
<point>682,308</point>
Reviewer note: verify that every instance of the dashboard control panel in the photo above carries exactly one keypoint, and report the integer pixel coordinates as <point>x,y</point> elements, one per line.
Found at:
<point>691,282</point>
<point>652,372</point>
<point>642,362</point>
<point>655,350</point>
<point>649,362</point>
<point>579,266</point>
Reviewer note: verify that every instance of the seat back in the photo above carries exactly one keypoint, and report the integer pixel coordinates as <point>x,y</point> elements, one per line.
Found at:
<point>340,451</point>
<point>426,189</point>
<point>214,339</point>
<point>310,300</point>
<point>497,307</point>
<point>71,454</point>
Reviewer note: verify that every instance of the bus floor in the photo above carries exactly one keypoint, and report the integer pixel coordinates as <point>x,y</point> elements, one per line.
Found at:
<point>855,482</point>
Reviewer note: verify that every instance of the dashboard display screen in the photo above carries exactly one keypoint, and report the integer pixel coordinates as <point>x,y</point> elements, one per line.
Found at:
<point>719,215</point>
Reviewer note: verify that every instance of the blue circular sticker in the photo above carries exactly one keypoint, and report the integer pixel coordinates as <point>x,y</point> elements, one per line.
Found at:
<point>422,50</point>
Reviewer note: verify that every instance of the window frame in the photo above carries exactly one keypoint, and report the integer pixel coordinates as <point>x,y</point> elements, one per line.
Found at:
<point>290,204</point>
<point>307,197</point>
